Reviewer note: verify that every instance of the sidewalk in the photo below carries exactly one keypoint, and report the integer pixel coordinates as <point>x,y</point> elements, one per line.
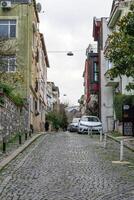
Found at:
<point>128,141</point>
<point>13,154</point>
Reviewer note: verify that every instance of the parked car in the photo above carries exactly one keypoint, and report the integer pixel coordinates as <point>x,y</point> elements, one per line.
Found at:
<point>88,123</point>
<point>73,126</point>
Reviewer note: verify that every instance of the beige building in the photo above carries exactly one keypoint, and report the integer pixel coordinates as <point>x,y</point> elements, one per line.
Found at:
<point>38,96</point>
<point>53,94</point>
<point>19,24</point>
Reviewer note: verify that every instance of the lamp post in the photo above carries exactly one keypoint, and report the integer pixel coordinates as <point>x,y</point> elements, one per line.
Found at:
<point>68,53</point>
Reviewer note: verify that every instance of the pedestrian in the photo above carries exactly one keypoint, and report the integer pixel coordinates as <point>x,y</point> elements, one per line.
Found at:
<point>31,128</point>
<point>46,125</point>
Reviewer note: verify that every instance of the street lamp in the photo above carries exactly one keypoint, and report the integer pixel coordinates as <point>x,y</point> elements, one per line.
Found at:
<point>68,53</point>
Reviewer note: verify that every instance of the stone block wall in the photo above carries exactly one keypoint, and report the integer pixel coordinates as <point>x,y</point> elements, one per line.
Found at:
<point>13,119</point>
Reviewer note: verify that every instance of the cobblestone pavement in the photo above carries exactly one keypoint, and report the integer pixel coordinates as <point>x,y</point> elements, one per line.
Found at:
<point>68,166</point>
<point>12,146</point>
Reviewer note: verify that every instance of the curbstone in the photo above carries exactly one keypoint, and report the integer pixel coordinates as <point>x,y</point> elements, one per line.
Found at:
<point>19,150</point>
<point>117,140</point>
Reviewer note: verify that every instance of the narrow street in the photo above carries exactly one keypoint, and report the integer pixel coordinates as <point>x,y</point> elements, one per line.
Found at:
<point>68,166</point>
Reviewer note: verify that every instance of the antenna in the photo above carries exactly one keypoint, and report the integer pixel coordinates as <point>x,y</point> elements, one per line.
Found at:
<point>38,7</point>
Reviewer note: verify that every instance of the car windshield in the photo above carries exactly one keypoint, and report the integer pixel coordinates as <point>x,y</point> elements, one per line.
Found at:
<point>90,119</point>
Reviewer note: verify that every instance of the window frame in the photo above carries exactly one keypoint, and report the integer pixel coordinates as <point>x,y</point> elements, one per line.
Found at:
<point>9,58</point>
<point>8,23</point>
<point>95,72</point>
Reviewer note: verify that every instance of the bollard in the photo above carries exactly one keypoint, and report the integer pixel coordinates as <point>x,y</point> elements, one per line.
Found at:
<point>4,145</point>
<point>20,139</point>
<point>25,136</point>
<point>121,150</point>
<point>105,140</point>
<point>100,136</point>
<point>30,133</point>
<point>90,132</point>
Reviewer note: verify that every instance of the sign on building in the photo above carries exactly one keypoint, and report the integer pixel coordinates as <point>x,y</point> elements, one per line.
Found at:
<point>128,120</point>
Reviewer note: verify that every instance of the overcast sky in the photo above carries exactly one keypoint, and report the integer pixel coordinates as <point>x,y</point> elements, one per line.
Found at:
<point>67,26</point>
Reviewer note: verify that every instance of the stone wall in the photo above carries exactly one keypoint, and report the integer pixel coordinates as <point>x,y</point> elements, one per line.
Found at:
<point>13,119</point>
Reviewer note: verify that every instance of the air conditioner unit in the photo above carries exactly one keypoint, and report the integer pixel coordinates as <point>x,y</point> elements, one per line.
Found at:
<point>5,4</point>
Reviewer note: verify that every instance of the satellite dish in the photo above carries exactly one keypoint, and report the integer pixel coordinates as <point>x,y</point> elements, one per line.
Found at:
<point>38,7</point>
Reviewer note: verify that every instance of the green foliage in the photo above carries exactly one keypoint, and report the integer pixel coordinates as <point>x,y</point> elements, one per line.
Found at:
<point>119,101</point>
<point>17,99</point>
<point>120,50</point>
<point>116,134</point>
<point>9,91</point>
<point>55,119</point>
<point>81,100</point>
<point>58,119</point>
<point>64,121</point>
<point>1,100</point>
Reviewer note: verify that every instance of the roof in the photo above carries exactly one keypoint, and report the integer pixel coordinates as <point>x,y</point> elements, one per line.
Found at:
<point>44,49</point>
<point>35,8</point>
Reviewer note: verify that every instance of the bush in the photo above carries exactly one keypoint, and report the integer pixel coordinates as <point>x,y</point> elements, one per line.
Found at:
<point>58,120</point>
<point>8,90</point>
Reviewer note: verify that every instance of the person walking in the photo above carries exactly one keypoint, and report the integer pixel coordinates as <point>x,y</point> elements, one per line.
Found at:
<point>46,125</point>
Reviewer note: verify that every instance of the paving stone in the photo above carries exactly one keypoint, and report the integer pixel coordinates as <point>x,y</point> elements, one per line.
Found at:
<point>69,166</point>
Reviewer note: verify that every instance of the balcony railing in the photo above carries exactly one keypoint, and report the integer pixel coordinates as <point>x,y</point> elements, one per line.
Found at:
<point>113,82</point>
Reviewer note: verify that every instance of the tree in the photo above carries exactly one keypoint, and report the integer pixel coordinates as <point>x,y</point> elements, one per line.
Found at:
<point>64,119</point>
<point>58,119</point>
<point>120,50</point>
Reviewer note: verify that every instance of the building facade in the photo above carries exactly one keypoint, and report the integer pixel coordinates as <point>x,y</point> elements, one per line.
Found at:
<point>100,34</point>
<point>26,56</point>
<point>91,83</point>
<point>102,27</point>
<point>53,94</point>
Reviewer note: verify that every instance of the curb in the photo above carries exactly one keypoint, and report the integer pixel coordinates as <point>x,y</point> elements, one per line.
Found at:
<point>116,140</point>
<point>19,150</point>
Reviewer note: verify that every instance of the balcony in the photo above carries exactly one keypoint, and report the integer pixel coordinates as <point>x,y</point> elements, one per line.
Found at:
<point>115,14</point>
<point>111,82</point>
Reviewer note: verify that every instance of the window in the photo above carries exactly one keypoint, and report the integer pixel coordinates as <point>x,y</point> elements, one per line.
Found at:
<point>8,28</point>
<point>92,119</point>
<point>35,105</point>
<point>109,65</point>
<point>8,63</point>
<point>95,72</point>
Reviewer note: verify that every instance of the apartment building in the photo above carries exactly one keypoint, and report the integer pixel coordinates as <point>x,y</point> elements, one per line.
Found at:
<point>91,83</point>
<point>26,55</point>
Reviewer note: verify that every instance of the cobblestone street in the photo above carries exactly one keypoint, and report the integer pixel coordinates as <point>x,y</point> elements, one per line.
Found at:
<point>68,166</point>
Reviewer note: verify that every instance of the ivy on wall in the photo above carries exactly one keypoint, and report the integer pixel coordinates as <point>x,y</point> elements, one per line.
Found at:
<point>119,101</point>
<point>9,92</point>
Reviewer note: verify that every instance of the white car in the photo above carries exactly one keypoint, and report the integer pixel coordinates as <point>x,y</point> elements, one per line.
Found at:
<point>73,127</point>
<point>89,123</point>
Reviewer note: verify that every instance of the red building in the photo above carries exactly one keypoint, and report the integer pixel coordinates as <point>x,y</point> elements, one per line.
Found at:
<point>91,80</point>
